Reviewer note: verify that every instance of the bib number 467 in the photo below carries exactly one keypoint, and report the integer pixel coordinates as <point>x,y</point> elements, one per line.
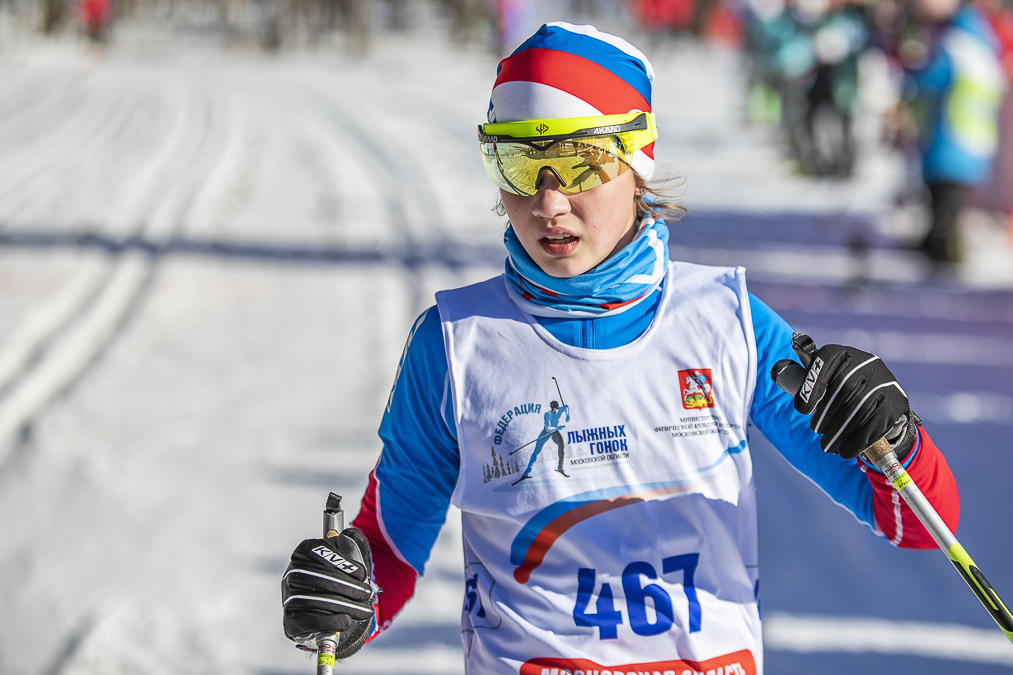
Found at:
<point>606,617</point>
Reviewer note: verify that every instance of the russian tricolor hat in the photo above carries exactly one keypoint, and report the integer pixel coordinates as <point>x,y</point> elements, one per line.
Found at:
<point>565,71</point>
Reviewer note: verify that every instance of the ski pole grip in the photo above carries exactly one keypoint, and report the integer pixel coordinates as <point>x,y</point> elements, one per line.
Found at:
<point>788,375</point>
<point>334,517</point>
<point>804,347</point>
<point>877,451</point>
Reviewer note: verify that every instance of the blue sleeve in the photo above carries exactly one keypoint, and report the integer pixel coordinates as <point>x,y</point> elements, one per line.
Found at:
<point>420,462</point>
<point>936,75</point>
<point>773,412</point>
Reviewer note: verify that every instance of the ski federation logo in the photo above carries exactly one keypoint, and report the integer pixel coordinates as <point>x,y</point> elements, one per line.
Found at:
<point>697,392</point>
<point>810,379</point>
<point>554,421</point>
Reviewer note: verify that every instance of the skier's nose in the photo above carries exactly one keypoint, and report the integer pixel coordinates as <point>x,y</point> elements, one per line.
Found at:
<point>549,202</point>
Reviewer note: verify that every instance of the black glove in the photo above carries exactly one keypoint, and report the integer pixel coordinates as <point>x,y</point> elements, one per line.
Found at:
<point>327,588</point>
<point>854,401</point>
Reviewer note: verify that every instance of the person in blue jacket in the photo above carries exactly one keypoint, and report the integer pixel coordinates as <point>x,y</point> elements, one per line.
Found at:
<point>643,556</point>
<point>956,89</point>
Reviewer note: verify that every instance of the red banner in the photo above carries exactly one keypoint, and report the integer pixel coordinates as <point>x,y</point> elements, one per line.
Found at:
<point>739,663</point>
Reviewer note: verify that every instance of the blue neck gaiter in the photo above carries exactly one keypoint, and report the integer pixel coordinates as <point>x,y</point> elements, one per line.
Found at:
<point>610,288</point>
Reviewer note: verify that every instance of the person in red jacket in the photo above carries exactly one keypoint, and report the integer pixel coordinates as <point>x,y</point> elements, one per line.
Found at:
<point>95,17</point>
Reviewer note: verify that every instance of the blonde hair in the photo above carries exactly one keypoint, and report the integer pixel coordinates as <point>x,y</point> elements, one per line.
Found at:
<point>665,197</point>
<point>664,201</point>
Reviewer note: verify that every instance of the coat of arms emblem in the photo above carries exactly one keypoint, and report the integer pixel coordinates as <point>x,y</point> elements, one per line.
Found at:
<point>697,391</point>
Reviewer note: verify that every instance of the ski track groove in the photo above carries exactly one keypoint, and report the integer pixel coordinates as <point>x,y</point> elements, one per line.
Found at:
<point>57,162</point>
<point>83,341</point>
<point>407,197</point>
<point>334,152</point>
<point>12,126</point>
<point>418,209</point>
<point>400,186</point>
<point>34,335</point>
<point>217,184</point>
<point>84,159</point>
<point>69,647</point>
<point>31,338</point>
<point>67,131</point>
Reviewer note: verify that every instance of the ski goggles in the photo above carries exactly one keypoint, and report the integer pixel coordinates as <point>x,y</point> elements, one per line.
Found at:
<point>580,152</point>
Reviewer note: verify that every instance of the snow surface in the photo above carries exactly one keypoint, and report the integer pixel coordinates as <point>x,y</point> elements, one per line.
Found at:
<point>186,368</point>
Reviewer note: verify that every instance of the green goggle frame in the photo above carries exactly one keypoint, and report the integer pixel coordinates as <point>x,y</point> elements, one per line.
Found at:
<point>636,130</point>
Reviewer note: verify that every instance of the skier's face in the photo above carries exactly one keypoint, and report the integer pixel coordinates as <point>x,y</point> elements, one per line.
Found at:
<point>567,235</point>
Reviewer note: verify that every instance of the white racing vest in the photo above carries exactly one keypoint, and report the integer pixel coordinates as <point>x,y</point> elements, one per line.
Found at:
<point>640,555</point>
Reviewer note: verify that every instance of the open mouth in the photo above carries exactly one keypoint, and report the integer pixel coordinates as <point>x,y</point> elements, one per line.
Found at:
<point>559,244</point>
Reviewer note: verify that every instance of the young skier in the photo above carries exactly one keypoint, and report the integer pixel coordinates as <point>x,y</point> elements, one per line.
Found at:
<point>553,425</point>
<point>645,556</point>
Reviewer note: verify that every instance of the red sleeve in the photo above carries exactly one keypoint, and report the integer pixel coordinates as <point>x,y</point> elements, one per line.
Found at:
<point>395,577</point>
<point>930,472</point>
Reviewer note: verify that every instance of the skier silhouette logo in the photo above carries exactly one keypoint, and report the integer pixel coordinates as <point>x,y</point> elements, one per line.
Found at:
<point>553,425</point>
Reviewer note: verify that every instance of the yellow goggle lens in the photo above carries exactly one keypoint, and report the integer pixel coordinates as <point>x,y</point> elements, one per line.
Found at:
<point>578,165</point>
<point>582,153</point>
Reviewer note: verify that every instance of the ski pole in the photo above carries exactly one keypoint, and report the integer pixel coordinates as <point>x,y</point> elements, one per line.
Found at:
<point>527,444</point>
<point>561,401</point>
<point>327,643</point>
<point>790,376</point>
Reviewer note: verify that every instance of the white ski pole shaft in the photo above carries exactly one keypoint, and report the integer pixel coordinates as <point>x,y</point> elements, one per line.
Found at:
<point>327,643</point>
<point>885,459</point>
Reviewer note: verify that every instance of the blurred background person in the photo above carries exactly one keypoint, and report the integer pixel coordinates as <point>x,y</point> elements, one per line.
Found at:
<point>661,19</point>
<point>513,20</point>
<point>997,194</point>
<point>824,137</point>
<point>717,22</point>
<point>52,15</point>
<point>767,26</point>
<point>467,18</point>
<point>95,18</point>
<point>808,51</point>
<point>956,86</point>
<point>355,21</point>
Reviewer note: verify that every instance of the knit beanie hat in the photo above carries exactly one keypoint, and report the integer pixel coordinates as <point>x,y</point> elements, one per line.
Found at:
<point>566,71</point>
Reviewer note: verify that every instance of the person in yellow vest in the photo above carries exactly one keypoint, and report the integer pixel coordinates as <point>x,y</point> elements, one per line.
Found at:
<point>956,91</point>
